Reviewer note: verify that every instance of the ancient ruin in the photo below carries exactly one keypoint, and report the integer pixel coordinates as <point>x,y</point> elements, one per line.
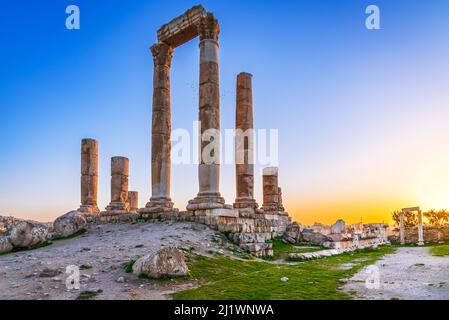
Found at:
<point>244,143</point>
<point>244,222</point>
<point>89,176</point>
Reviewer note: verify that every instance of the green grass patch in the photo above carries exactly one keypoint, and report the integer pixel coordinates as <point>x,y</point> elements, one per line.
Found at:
<point>230,279</point>
<point>87,295</point>
<point>33,247</point>
<point>440,251</point>
<point>282,249</point>
<point>76,234</point>
<point>128,266</point>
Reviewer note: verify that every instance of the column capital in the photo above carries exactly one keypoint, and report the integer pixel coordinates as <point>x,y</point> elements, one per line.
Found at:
<point>162,54</point>
<point>208,27</point>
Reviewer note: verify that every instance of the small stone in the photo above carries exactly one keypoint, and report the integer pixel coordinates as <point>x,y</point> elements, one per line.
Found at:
<point>284,279</point>
<point>120,280</point>
<point>48,273</point>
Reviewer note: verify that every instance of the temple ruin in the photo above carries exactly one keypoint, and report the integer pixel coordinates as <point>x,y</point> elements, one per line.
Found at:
<point>244,223</point>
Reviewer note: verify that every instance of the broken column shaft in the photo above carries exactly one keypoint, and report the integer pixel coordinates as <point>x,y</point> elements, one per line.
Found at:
<point>119,185</point>
<point>89,176</point>
<point>271,200</point>
<point>133,201</point>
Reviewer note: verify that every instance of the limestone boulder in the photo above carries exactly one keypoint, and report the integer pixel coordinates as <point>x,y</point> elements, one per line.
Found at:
<point>28,233</point>
<point>313,237</point>
<point>5,244</point>
<point>292,233</point>
<point>167,262</point>
<point>338,227</point>
<point>336,237</point>
<point>69,224</point>
<point>7,222</point>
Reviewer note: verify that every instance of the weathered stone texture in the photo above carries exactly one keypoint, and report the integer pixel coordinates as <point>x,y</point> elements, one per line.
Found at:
<point>161,130</point>
<point>89,176</point>
<point>69,224</point>
<point>209,117</point>
<point>133,201</point>
<point>431,234</point>
<point>167,262</point>
<point>244,143</point>
<point>272,202</point>
<point>183,28</point>
<point>119,184</point>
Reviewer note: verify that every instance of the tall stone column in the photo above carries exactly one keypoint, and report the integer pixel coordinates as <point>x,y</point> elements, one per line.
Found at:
<point>401,227</point>
<point>271,190</point>
<point>119,185</point>
<point>420,229</point>
<point>89,176</point>
<point>161,131</point>
<point>244,143</point>
<point>209,116</point>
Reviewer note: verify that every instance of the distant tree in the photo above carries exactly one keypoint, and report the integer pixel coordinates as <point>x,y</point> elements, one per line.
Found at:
<point>437,218</point>
<point>410,218</point>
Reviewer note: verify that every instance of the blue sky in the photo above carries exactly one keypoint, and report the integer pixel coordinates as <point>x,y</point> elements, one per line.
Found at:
<point>362,114</point>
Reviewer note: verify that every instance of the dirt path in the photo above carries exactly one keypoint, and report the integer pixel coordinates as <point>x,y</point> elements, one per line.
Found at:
<point>409,273</point>
<point>41,273</point>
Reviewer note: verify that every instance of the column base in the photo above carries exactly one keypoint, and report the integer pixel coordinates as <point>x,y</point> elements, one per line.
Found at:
<point>272,207</point>
<point>158,205</point>
<point>207,200</point>
<point>243,203</point>
<point>420,243</point>
<point>117,206</point>
<point>89,209</point>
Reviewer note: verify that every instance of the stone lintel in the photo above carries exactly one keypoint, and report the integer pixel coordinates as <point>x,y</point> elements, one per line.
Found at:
<point>182,28</point>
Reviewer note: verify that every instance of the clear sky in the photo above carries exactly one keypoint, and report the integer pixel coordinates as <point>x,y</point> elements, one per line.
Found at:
<point>362,114</point>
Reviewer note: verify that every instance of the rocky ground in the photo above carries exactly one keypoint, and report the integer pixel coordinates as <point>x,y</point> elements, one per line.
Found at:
<point>409,273</point>
<point>100,253</point>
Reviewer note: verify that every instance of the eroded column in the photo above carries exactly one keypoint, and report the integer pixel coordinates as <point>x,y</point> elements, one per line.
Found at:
<point>244,143</point>
<point>119,185</point>
<point>401,228</point>
<point>271,190</point>
<point>420,229</point>
<point>161,130</point>
<point>89,176</point>
<point>209,116</point>
<point>133,201</point>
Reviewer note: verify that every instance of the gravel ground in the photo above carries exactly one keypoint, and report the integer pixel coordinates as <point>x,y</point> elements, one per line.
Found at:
<point>408,274</point>
<point>102,250</point>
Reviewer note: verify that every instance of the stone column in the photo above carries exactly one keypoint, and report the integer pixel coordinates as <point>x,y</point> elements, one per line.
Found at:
<point>209,115</point>
<point>420,229</point>
<point>119,185</point>
<point>244,143</point>
<point>89,176</point>
<point>271,190</point>
<point>133,201</point>
<point>161,131</point>
<point>401,228</point>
